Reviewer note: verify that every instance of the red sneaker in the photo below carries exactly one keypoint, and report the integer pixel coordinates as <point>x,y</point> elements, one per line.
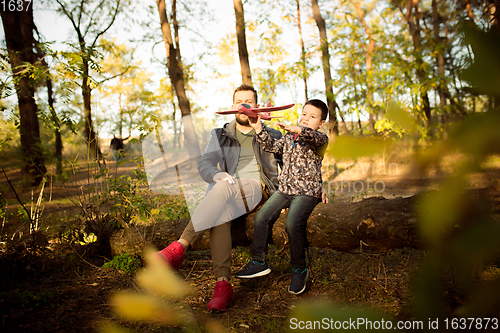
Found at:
<point>173,254</point>
<point>222,297</point>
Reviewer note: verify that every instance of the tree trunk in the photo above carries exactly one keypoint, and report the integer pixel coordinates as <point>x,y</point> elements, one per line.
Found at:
<point>368,62</point>
<point>53,115</point>
<point>439,62</point>
<point>81,15</point>
<point>57,128</point>
<point>376,224</point>
<point>176,75</point>
<point>495,27</point>
<point>303,52</point>
<point>412,17</point>
<point>90,135</point>
<point>332,104</point>
<point>246,74</point>
<point>18,27</point>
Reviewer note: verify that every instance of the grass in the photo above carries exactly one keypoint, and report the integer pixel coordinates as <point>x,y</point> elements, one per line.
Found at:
<point>73,289</point>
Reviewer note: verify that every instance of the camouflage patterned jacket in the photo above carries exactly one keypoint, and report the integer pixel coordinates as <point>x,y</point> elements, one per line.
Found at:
<point>302,159</point>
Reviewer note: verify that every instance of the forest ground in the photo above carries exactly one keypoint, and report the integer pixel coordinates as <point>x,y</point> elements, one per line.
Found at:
<point>60,290</point>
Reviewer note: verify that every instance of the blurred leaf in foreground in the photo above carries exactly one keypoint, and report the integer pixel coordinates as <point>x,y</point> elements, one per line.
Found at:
<point>160,278</point>
<point>440,210</point>
<point>484,73</point>
<point>354,147</point>
<point>401,117</point>
<point>134,306</point>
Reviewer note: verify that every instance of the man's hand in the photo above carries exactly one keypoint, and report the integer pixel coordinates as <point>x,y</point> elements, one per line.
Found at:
<point>255,123</point>
<point>290,128</point>
<point>224,176</point>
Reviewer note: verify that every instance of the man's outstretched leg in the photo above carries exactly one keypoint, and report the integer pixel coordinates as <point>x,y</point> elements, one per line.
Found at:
<point>220,246</point>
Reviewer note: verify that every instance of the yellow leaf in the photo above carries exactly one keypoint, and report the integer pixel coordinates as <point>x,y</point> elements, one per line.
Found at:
<point>140,307</point>
<point>160,278</point>
<point>134,306</point>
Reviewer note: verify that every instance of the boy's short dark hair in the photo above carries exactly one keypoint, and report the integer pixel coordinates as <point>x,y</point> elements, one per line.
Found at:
<point>246,87</point>
<point>320,105</point>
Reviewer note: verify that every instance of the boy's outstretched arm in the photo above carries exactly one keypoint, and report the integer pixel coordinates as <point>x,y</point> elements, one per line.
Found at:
<point>290,128</point>
<point>314,139</point>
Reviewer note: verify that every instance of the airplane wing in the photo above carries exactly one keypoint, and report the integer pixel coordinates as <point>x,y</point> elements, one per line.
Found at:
<point>256,110</point>
<point>274,108</point>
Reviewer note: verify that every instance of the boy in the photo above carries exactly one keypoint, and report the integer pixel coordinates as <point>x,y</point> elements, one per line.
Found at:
<point>300,189</point>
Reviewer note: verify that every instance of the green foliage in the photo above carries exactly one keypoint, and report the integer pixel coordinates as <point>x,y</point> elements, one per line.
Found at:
<point>132,200</point>
<point>124,263</point>
<point>467,251</point>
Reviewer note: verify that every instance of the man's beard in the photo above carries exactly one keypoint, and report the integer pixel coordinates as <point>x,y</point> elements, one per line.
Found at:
<point>241,121</point>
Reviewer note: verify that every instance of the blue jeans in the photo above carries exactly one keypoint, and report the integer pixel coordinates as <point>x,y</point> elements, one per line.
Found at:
<point>301,207</point>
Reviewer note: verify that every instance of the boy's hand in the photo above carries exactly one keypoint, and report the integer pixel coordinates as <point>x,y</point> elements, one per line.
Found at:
<point>324,197</point>
<point>290,128</point>
<point>255,123</point>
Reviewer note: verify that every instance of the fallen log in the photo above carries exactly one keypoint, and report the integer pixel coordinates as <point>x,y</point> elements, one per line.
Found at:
<point>374,223</point>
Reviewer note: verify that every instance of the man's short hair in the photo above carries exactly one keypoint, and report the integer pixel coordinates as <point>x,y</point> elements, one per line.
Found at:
<point>246,87</point>
<point>320,105</point>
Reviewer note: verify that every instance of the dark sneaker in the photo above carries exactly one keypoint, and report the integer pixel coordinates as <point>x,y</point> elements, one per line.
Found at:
<point>298,283</point>
<point>222,297</point>
<point>173,254</point>
<point>253,269</point>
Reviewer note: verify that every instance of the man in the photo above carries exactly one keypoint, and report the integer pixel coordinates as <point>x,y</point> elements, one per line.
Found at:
<point>239,174</point>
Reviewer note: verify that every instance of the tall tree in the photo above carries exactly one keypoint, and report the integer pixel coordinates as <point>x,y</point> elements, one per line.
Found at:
<point>90,20</point>
<point>18,26</point>
<point>246,74</point>
<point>54,119</point>
<point>176,74</point>
<point>303,51</point>
<point>439,54</point>
<point>495,28</point>
<point>412,17</point>
<point>332,104</point>
<point>368,50</point>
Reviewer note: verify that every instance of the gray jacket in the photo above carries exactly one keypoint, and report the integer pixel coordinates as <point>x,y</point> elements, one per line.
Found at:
<point>223,152</point>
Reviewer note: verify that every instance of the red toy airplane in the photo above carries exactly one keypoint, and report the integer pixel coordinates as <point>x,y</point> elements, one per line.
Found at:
<point>265,113</point>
